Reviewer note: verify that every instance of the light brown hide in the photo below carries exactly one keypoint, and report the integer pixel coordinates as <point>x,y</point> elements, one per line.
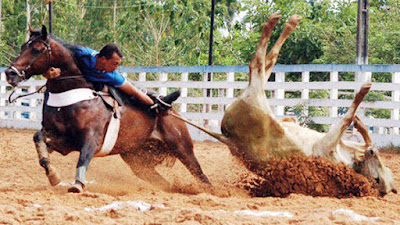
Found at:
<point>253,133</point>
<point>255,136</point>
<point>249,121</point>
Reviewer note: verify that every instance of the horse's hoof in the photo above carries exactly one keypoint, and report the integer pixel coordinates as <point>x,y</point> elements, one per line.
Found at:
<point>54,178</point>
<point>76,188</point>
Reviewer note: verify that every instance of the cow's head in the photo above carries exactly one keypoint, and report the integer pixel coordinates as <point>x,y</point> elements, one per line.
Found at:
<point>373,168</point>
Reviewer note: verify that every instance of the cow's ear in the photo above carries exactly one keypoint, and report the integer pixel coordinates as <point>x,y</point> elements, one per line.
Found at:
<point>44,32</point>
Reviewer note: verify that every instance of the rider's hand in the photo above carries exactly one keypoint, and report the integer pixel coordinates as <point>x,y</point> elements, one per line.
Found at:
<point>160,105</point>
<point>52,73</point>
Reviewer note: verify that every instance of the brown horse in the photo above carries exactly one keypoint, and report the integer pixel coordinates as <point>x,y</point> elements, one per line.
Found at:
<point>81,126</point>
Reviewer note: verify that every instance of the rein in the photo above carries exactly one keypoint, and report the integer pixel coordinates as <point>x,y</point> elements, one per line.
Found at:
<point>24,95</point>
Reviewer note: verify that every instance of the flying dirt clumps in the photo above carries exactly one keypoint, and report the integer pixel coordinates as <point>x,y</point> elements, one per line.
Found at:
<point>309,176</point>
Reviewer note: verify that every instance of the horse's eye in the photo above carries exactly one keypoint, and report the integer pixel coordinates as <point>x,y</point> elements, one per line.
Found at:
<point>377,180</point>
<point>35,51</point>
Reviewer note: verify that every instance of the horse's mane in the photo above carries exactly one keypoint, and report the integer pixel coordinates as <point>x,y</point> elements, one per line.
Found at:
<point>68,46</point>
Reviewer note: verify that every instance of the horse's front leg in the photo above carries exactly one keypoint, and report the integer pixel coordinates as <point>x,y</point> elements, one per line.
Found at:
<point>86,154</point>
<point>44,158</point>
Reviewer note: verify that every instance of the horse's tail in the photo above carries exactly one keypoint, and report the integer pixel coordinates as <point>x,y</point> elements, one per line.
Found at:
<point>217,136</point>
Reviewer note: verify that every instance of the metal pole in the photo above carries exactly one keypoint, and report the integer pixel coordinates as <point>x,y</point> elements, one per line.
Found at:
<point>211,33</point>
<point>210,55</point>
<point>50,17</point>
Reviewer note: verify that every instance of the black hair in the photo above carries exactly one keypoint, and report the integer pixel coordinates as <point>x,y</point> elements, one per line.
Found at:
<point>108,51</point>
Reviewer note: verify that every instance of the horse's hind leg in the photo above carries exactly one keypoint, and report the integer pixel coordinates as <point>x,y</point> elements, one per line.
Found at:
<point>326,146</point>
<point>44,158</point>
<point>145,170</point>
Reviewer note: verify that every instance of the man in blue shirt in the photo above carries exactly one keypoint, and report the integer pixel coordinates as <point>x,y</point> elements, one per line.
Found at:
<point>102,67</point>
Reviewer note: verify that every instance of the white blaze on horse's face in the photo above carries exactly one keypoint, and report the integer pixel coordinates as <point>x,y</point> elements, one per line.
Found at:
<point>373,168</point>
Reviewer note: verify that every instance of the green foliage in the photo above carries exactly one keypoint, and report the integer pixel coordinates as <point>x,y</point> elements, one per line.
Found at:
<point>176,32</point>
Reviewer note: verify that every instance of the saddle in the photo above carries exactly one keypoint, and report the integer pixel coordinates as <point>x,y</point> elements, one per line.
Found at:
<point>109,94</point>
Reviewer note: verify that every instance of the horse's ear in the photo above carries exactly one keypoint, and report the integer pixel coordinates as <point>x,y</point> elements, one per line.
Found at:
<point>30,28</point>
<point>44,32</point>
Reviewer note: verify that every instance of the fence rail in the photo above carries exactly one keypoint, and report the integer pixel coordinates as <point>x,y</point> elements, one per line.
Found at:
<point>319,94</point>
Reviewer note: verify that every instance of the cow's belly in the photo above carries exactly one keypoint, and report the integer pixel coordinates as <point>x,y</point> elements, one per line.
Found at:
<point>303,137</point>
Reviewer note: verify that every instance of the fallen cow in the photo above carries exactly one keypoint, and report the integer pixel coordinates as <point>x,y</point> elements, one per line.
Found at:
<point>255,136</point>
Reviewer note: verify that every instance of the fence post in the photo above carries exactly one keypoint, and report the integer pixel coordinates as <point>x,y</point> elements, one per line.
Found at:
<point>334,77</point>
<point>305,93</point>
<point>32,104</point>
<point>184,92</point>
<point>221,95</point>
<point>18,103</point>
<point>2,92</point>
<point>207,107</point>
<point>230,78</point>
<point>394,113</point>
<point>163,78</point>
<point>142,76</point>
<point>280,93</point>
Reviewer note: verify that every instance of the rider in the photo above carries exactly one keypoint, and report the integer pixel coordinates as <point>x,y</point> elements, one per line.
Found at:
<point>102,67</point>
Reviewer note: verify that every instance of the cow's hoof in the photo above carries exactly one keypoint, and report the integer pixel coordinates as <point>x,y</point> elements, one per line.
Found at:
<point>365,88</point>
<point>295,20</point>
<point>275,17</point>
<point>76,188</point>
<point>53,177</point>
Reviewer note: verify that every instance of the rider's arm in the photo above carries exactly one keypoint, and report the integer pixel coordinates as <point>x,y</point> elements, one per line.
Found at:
<point>129,89</point>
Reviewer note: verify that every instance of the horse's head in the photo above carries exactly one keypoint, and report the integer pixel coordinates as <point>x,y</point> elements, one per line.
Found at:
<point>373,168</point>
<point>34,58</point>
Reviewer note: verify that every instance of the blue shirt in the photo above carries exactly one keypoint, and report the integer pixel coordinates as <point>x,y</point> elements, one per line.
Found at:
<point>87,61</point>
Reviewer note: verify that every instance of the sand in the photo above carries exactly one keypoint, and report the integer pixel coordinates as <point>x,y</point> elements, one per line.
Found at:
<point>114,195</point>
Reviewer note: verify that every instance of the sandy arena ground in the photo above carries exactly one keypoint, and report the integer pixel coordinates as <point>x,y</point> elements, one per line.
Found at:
<point>115,196</point>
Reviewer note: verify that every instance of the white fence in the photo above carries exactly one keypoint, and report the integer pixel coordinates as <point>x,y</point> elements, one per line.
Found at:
<point>306,94</point>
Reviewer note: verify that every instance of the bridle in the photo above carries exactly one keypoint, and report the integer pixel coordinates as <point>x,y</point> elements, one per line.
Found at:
<point>22,74</point>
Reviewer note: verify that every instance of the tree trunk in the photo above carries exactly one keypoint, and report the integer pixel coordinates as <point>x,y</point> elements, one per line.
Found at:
<point>114,18</point>
<point>0,20</point>
<point>28,19</point>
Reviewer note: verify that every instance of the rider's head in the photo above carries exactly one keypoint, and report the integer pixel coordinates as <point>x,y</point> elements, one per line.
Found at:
<point>109,58</point>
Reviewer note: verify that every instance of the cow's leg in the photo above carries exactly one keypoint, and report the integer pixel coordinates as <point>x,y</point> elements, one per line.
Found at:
<point>44,158</point>
<point>85,156</point>
<point>326,146</point>
<point>143,167</point>
<point>175,134</point>
<point>272,56</point>
<point>257,64</point>
<point>363,130</point>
